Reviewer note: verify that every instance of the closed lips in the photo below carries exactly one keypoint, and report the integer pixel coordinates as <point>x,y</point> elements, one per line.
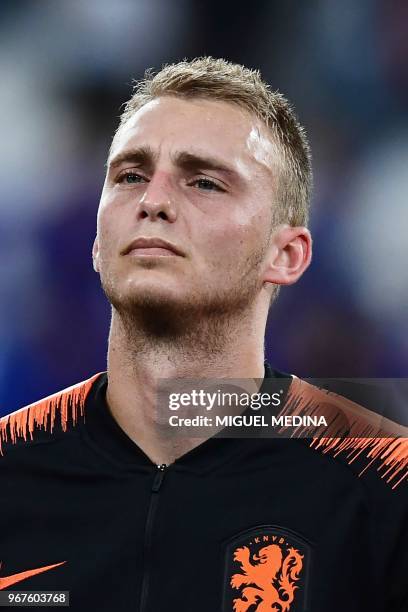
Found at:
<point>144,244</point>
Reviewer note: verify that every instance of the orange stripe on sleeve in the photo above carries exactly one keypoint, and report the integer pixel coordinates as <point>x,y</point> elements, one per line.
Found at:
<point>65,405</point>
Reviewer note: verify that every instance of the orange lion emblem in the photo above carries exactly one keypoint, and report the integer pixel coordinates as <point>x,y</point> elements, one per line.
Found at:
<point>272,578</point>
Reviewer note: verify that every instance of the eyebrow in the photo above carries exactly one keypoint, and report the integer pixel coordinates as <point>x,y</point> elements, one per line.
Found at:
<point>185,160</point>
<point>196,161</point>
<point>142,156</point>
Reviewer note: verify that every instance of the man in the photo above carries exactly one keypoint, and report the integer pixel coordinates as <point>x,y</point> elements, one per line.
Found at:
<point>203,216</point>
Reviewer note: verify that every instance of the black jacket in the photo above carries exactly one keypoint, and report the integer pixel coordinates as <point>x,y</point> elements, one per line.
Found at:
<point>233,525</point>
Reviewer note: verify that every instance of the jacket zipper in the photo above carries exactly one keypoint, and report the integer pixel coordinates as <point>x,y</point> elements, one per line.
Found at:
<point>154,498</point>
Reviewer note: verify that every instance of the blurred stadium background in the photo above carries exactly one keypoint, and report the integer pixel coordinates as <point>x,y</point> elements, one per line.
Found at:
<point>66,68</point>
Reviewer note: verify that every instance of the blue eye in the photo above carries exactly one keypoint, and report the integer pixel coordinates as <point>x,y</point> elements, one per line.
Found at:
<point>207,185</point>
<point>131,177</point>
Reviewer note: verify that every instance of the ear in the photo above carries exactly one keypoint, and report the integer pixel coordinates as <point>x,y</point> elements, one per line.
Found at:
<point>95,254</point>
<point>290,255</point>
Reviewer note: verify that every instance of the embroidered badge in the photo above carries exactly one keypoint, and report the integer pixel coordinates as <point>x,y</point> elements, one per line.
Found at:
<point>267,568</point>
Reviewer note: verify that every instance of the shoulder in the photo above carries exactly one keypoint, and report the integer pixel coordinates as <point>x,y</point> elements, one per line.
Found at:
<point>42,418</point>
<point>374,447</point>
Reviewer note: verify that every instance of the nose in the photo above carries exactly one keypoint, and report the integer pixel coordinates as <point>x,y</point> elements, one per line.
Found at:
<point>158,200</point>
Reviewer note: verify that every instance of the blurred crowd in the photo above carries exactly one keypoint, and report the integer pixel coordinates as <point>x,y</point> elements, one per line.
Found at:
<point>66,69</point>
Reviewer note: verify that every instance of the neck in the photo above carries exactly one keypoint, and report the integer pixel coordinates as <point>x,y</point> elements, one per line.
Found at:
<point>138,356</point>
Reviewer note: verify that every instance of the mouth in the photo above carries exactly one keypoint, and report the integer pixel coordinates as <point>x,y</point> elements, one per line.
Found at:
<point>152,247</point>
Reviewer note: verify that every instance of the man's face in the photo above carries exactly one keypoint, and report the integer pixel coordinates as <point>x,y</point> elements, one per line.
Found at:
<point>200,175</point>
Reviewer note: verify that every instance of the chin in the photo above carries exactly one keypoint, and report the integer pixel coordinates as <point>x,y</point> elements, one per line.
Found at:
<point>153,299</point>
<point>160,314</point>
<point>145,296</point>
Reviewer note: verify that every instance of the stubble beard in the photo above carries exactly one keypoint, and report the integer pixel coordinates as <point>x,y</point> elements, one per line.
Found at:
<point>198,323</point>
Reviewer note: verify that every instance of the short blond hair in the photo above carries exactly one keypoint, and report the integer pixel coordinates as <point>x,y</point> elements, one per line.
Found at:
<point>218,79</point>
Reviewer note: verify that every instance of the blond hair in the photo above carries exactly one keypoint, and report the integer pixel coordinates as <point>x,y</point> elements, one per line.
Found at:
<point>218,79</point>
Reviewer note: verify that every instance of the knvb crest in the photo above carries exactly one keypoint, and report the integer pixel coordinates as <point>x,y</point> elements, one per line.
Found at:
<point>267,569</point>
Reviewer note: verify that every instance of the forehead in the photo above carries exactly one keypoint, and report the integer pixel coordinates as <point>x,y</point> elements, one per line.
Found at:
<point>215,128</point>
